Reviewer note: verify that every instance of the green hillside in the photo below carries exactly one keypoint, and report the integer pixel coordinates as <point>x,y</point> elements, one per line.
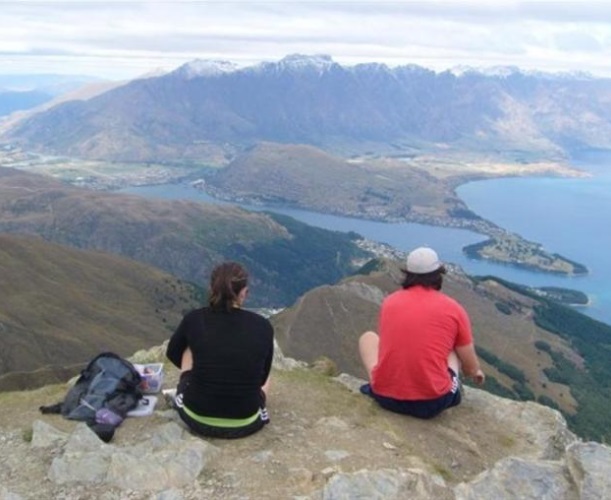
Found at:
<point>588,375</point>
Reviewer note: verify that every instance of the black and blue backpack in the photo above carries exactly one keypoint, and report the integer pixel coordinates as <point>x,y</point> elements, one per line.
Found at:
<point>106,390</point>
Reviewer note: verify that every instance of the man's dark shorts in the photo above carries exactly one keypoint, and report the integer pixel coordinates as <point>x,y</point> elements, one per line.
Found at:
<point>426,408</point>
<point>215,431</point>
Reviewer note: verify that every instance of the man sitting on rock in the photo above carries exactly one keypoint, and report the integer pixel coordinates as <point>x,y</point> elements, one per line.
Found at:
<point>425,340</point>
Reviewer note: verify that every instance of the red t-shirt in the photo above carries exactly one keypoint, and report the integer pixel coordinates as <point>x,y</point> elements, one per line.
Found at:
<point>419,327</point>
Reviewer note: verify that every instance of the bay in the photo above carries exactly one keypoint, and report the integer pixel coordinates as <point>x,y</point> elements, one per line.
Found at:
<point>568,216</point>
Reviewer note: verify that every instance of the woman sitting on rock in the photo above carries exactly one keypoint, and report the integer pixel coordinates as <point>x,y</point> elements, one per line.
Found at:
<point>225,354</point>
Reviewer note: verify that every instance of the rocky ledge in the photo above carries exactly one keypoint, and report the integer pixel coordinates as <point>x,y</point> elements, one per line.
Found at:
<point>326,441</point>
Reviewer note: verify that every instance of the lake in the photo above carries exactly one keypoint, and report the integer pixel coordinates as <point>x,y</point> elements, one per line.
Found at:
<point>567,216</point>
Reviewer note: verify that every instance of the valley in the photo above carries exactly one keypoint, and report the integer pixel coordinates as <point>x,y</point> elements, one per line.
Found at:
<point>93,174</point>
<point>306,145</point>
<point>367,141</point>
<point>420,189</point>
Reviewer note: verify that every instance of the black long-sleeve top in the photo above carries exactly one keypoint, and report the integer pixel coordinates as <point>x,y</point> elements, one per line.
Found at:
<point>232,358</point>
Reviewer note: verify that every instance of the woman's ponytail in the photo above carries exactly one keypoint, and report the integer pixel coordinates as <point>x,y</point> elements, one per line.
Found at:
<point>226,282</point>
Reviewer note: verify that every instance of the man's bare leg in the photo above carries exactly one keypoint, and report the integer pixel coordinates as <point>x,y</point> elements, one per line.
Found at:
<point>368,348</point>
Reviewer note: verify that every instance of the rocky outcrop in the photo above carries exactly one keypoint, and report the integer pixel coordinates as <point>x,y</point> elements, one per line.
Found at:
<point>384,484</point>
<point>326,441</point>
<point>552,463</point>
<point>581,472</point>
<point>168,459</point>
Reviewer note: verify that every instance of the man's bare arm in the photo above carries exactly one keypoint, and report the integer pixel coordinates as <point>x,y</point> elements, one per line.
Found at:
<point>469,363</point>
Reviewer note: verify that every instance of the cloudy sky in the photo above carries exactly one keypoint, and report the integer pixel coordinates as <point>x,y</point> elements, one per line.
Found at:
<point>122,39</point>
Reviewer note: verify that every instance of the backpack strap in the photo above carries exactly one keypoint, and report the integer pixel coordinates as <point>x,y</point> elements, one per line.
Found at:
<point>56,408</point>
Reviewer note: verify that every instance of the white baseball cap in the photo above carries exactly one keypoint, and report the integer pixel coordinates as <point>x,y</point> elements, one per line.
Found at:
<point>423,260</point>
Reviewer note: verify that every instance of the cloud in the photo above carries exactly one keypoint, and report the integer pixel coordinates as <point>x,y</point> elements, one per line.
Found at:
<point>128,38</point>
<point>577,41</point>
<point>570,12</point>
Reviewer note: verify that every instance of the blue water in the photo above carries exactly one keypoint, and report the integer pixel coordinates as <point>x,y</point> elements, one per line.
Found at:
<point>567,216</point>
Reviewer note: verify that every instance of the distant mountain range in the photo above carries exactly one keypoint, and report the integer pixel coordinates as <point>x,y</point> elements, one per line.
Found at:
<point>52,84</point>
<point>210,107</point>
<point>22,92</point>
<point>19,100</point>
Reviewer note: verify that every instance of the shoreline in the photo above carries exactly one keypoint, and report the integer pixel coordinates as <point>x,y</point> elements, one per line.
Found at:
<point>156,176</point>
<point>480,250</point>
<point>478,225</point>
<point>485,228</point>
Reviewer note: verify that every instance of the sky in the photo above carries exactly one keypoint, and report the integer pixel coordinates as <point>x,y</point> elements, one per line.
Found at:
<point>125,39</point>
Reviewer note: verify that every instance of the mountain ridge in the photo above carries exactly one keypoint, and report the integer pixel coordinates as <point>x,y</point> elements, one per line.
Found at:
<point>182,115</point>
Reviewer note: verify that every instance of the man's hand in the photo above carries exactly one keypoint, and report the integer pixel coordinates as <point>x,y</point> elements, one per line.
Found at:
<point>478,377</point>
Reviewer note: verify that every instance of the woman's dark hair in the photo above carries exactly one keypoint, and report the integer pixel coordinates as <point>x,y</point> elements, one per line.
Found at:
<point>226,282</point>
<point>432,280</point>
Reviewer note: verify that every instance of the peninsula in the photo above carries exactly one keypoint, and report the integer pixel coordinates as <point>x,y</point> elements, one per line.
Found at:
<point>418,187</point>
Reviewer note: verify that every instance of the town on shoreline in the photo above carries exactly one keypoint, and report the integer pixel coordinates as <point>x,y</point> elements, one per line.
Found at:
<point>501,246</point>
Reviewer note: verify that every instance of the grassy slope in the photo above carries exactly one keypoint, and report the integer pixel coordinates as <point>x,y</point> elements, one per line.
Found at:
<point>584,368</point>
<point>61,305</point>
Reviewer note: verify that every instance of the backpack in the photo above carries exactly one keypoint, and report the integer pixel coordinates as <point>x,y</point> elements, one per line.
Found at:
<point>103,394</point>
